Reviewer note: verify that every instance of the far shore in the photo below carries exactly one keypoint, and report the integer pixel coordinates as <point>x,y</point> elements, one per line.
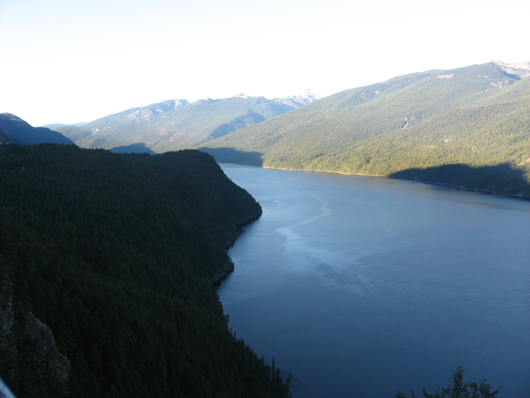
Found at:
<point>517,196</point>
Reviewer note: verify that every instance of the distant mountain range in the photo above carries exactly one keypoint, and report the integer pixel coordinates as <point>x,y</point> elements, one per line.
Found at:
<point>477,116</point>
<point>57,125</point>
<point>177,124</point>
<point>466,127</point>
<point>15,130</point>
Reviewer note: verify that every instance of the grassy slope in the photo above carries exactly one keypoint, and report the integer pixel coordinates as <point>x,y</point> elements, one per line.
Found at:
<point>419,120</point>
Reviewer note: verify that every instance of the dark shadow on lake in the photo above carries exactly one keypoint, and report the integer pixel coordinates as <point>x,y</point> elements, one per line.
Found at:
<point>503,178</point>
<point>230,155</point>
<point>133,148</point>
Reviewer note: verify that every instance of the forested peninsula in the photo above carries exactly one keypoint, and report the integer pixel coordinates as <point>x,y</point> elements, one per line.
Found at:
<point>107,267</point>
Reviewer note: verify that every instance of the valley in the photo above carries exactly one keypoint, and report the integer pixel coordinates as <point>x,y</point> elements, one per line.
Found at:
<point>93,241</point>
<point>476,117</point>
<point>177,124</point>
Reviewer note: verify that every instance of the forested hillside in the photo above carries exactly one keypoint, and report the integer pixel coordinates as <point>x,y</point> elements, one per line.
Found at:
<point>117,255</point>
<point>475,116</point>
<point>14,129</point>
<point>177,124</point>
<point>4,139</point>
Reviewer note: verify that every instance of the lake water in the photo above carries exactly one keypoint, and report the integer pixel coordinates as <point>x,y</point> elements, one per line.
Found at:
<point>360,286</point>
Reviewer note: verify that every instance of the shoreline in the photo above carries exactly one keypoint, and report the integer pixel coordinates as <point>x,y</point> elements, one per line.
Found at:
<point>516,196</point>
<point>223,275</point>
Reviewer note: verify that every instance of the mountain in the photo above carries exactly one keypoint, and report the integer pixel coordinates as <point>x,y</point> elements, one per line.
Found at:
<point>306,97</point>
<point>53,126</point>
<point>4,139</point>
<point>20,132</point>
<point>475,116</point>
<point>177,124</point>
<point>107,270</point>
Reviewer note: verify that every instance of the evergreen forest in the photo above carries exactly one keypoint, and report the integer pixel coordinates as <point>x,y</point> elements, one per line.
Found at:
<point>108,265</point>
<point>412,126</point>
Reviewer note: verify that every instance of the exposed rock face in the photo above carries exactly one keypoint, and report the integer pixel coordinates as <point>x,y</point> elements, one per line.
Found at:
<point>27,346</point>
<point>58,365</point>
<point>6,299</point>
<point>8,340</point>
<point>155,109</point>
<point>521,69</point>
<point>7,319</point>
<point>306,97</point>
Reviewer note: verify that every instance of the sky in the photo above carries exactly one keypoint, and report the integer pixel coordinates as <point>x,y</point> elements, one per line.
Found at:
<point>72,61</point>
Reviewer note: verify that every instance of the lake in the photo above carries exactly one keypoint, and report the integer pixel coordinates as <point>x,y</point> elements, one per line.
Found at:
<point>360,286</point>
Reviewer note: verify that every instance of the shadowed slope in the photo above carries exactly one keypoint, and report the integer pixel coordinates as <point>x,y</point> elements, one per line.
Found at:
<point>133,148</point>
<point>502,178</point>
<point>20,132</point>
<point>230,155</point>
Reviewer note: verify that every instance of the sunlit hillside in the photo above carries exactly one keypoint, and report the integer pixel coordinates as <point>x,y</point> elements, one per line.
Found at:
<point>476,116</point>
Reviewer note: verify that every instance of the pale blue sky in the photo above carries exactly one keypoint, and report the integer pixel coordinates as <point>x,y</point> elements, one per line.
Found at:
<point>72,61</point>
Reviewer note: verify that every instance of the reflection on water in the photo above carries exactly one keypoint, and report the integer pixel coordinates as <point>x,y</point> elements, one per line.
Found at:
<point>362,285</point>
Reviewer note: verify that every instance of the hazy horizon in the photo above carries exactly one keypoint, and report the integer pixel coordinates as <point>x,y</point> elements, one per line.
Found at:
<point>70,62</point>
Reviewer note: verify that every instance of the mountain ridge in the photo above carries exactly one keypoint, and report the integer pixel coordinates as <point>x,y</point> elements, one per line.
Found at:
<point>475,115</point>
<point>18,131</point>
<point>179,124</point>
<point>53,126</point>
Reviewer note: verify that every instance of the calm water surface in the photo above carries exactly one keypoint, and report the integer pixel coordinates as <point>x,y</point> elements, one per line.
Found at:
<point>360,286</point>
